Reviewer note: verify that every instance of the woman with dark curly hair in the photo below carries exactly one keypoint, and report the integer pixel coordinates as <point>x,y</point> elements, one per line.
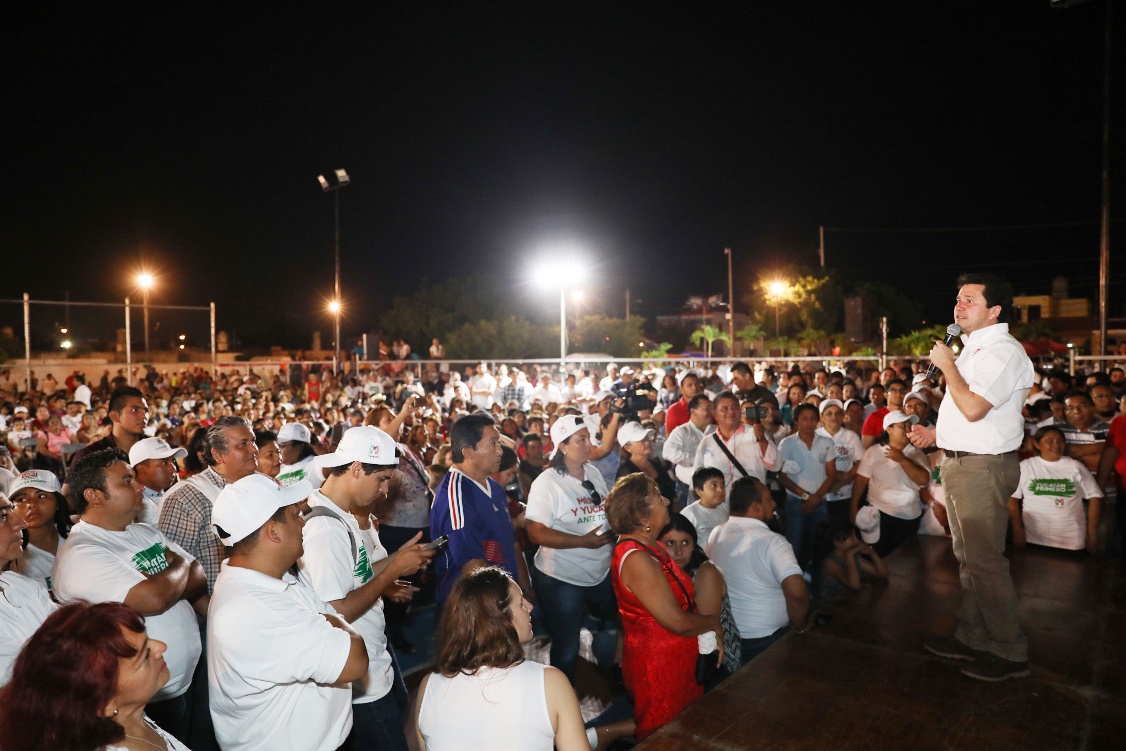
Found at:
<point>483,693</point>
<point>82,683</point>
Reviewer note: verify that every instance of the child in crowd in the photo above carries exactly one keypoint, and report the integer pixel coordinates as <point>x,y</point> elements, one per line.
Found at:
<point>710,510</point>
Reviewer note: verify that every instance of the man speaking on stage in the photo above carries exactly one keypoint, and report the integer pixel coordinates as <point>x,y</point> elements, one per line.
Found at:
<point>980,427</point>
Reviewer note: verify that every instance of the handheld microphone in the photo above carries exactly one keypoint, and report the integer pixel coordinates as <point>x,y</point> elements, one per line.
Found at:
<point>953,331</point>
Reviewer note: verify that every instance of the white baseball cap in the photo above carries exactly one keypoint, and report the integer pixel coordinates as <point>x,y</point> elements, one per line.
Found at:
<point>915,395</point>
<point>602,395</point>
<point>39,479</point>
<point>243,506</point>
<point>153,448</point>
<point>364,443</point>
<point>895,416</point>
<point>294,431</point>
<point>565,427</point>
<point>690,372</point>
<point>826,403</point>
<point>868,522</point>
<point>634,431</point>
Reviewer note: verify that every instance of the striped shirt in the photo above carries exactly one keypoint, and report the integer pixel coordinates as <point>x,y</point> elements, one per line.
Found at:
<point>476,520</point>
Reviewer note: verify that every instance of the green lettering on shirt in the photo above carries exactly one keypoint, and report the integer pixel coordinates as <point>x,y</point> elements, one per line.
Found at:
<point>1060,487</point>
<point>291,478</point>
<point>151,560</point>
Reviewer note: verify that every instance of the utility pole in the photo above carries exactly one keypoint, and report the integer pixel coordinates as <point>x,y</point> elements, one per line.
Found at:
<point>1104,237</point>
<point>821,245</point>
<point>730,303</point>
<point>627,304</point>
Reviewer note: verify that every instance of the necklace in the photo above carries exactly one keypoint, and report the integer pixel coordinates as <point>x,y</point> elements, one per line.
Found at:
<point>163,747</point>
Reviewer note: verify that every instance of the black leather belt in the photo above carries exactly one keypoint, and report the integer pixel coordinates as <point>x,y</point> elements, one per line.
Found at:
<point>961,454</point>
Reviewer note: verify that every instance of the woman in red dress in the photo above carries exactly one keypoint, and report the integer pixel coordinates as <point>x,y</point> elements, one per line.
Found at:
<point>657,608</point>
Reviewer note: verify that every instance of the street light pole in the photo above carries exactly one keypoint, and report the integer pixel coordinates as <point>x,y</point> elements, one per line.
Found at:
<point>342,180</point>
<point>336,284</point>
<point>145,282</point>
<point>562,323</point>
<point>145,305</point>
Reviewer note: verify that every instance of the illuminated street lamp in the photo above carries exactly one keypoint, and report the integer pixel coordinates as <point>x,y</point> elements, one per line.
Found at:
<point>564,272</point>
<point>778,291</point>
<point>342,181</point>
<point>145,281</point>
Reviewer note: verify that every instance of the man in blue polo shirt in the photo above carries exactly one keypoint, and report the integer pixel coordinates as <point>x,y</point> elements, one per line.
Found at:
<point>470,508</point>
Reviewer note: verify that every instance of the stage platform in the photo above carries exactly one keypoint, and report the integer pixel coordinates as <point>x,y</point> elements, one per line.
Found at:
<point>863,681</point>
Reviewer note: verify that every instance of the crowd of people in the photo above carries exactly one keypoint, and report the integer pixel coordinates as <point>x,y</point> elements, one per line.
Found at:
<point>228,562</point>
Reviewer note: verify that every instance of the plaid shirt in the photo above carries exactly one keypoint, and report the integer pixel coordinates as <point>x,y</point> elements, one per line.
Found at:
<point>514,392</point>
<point>185,519</point>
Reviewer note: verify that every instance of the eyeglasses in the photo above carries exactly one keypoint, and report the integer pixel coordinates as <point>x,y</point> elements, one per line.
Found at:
<point>594,494</point>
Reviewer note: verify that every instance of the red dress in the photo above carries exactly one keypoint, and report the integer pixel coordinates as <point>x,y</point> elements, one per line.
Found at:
<point>658,666</point>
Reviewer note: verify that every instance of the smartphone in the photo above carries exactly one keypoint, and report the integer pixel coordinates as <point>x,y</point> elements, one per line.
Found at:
<point>758,412</point>
<point>435,544</point>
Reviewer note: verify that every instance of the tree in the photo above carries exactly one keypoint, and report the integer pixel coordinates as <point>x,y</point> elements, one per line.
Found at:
<point>814,299</point>
<point>814,340</point>
<point>902,311</point>
<point>752,335</point>
<point>918,342</point>
<point>613,336</point>
<point>510,338</point>
<point>709,335</point>
<point>660,352</point>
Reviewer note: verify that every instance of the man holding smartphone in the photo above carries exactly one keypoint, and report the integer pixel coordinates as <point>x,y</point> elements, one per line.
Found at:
<point>471,508</point>
<point>351,575</point>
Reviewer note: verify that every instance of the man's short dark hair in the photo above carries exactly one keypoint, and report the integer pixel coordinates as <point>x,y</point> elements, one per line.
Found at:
<point>530,438</point>
<point>701,476</point>
<point>217,436</point>
<point>466,433</point>
<point>995,290</point>
<point>726,395</point>
<point>119,395</point>
<point>803,407</point>
<point>694,402</point>
<point>1081,395</point>
<point>744,492</point>
<point>90,472</point>
<point>742,367</point>
<point>342,469</point>
<point>895,382</point>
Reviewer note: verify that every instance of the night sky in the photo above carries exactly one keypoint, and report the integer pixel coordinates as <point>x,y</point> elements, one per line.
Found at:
<point>478,133</point>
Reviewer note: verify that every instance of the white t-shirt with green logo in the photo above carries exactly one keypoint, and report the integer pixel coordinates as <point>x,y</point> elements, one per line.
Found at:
<point>329,564</point>
<point>291,474</point>
<point>1053,494</point>
<point>100,565</point>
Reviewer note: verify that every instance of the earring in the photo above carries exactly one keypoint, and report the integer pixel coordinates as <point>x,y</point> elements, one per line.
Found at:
<point>648,528</point>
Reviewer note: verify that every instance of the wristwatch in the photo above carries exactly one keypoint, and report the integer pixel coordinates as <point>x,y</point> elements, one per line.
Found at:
<point>805,496</point>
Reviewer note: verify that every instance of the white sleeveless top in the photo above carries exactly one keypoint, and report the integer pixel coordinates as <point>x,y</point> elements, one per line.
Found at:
<point>495,709</point>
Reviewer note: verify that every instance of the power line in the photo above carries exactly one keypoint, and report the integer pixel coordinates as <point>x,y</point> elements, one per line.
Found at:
<point>988,228</point>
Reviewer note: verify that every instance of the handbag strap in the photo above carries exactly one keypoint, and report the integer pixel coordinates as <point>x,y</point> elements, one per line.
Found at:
<point>731,457</point>
<point>666,567</point>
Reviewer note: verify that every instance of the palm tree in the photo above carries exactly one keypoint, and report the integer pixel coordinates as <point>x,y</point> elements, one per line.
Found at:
<point>751,335</point>
<point>709,335</point>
